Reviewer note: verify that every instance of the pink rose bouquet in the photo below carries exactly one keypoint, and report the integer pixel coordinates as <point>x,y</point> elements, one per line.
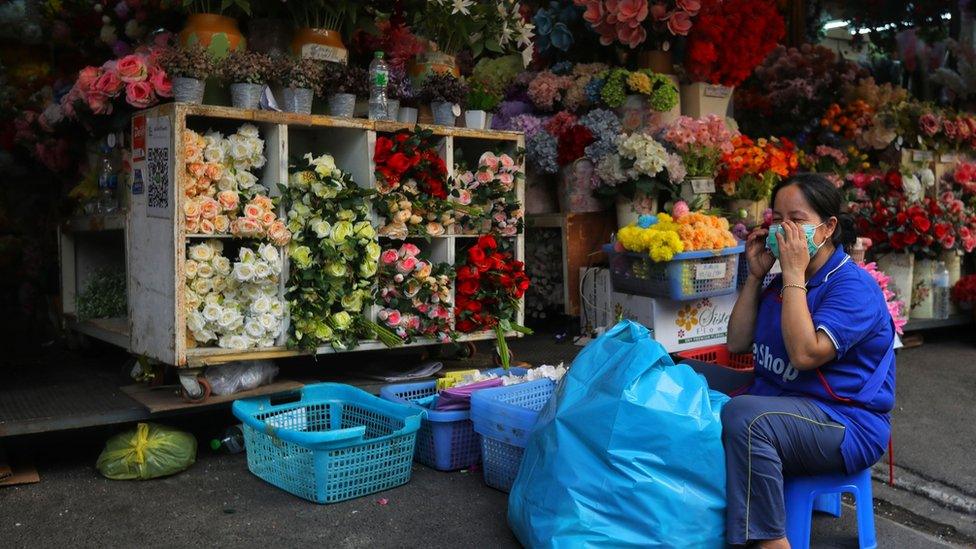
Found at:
<point>634,22</point>
<point>490,190</point>
<point>415,294</point>
<point>700,143</point>
<point>137,78</point>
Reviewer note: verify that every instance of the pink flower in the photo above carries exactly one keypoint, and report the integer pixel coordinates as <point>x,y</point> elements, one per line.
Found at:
<point>507,162</point>
<point>506,179</point>
<point>209,208</point>
<point>108,84</point>
<point>393,318</point>
<point>690,6</point>
<point>423,308</point>
<point>229,200</point>
<point>467,177</point>
<point>929,124</point>
<point>406,265</point>
<point>680,209</point>
<point>383,314</point>
<point>267,218</point>
<point>132,68</point>
<point>413,323</point>
<point>140,94</point>
<point>679,23</point>
<point>99,103</point>
<point>594,12</point>
<point>948,241</point>
<point>632,36</point>
<point>207,226</point>
<point>161,82</point>
<point>484,177</point>
<point>87,76</point>
<point>489,160</point>
<point>252,211</point>
<point>632,12</point>
<point>279,233</point>
<point>409,250</point>
<point>388,257</point>
<point>464,197</point>
<point>213,171</point>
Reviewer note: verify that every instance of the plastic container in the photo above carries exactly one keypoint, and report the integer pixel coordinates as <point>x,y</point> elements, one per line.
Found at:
<point>690,275</point>
<point>379,78</point>
<point>719,354</point>
<point>504,417</point>
<point>446,440</point>
<point>329,442</point>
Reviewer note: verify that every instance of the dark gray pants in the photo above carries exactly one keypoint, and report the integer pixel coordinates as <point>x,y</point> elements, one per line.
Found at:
<point>766,438</point>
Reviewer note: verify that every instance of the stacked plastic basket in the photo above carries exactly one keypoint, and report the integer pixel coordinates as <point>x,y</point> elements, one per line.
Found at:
<point>504,417</point>
<point>446,440</point>
<point>688,276</point>
<point>332,443</point>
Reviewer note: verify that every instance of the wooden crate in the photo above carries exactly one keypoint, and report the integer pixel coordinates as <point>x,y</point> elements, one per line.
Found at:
<point>156,238</point>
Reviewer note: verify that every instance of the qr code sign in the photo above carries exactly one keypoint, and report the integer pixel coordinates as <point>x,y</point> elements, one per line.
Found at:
<point>158,171</point>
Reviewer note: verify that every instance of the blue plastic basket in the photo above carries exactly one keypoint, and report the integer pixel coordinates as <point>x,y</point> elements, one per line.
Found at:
<point>688,276</point>
<point>333,443</point>
<point>446,440</point>
<point>504,417</point>
<point>744,273</point>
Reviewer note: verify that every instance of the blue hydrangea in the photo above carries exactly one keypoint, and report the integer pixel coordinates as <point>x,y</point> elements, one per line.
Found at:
<point>605,127</point>
<point>562,67</point>
<point>541,151</point>
<point>593,88</point>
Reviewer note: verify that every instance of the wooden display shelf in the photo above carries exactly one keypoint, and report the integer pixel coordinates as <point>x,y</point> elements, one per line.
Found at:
<point>582,234</point>
<point>156,238</point>
<point>110,330</point>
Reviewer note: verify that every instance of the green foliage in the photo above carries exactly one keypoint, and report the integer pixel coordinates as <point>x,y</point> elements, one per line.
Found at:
<point>480,97</point>
<point>104,297</point>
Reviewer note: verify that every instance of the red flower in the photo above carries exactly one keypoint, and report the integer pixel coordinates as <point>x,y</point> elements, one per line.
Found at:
<point>476,256</point>
<point>488,242</point>
<point>910,238</point>
<point>921,224</point>
<point>467,287</point>
<point>893,179</point>
<point>572,144</point>
<point>402,136</point>
<point>898,241</point>
<point>900,218</point>
<point>399,163</point>
<point>472,305</point>
<point>941,230</point>
<point>383,147</point>
<point>465,326</point>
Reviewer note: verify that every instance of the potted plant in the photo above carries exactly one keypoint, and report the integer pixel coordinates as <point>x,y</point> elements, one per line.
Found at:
<point>320,23</point>
<point>480,102</point>
<point>444,92</point>
<point>700,143</point>
<point>342,86</point>
<point>399,89</point>
<point>209,26</point>
<point>248,72</point>
<point>188,68</point>
<point>302,80</point>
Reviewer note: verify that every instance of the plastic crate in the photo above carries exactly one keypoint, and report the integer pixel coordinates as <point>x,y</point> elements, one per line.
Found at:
<point>504,417</point>
<point>335,442</point>
<point>719,354</point>
<point>446,440</point>
<point>744,273</point>
<point>690,275</point>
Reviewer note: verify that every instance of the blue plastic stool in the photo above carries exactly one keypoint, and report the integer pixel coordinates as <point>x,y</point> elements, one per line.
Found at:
<point>803,495</point>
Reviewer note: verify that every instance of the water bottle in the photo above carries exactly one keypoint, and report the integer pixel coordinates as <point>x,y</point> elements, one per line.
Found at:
<point>379,77</point>
<point>231,441</point>
<point>940,292</point>
<point>109,168</point>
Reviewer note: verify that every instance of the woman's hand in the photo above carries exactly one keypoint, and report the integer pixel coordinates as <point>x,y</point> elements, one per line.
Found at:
<point>794,254</point>
<point>760,259</point>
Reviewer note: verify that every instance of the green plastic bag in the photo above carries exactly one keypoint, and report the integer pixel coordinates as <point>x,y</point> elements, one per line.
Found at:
<point>151,451</point>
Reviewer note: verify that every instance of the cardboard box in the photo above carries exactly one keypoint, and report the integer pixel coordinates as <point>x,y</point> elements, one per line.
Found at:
<point>595,293</point>
<point>679,325</point>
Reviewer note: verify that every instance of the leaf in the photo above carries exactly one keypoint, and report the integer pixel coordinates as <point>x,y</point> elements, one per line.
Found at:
<point>492,44</point>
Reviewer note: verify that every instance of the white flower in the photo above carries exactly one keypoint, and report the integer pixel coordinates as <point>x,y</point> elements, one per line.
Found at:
<point>202,286</point>
<point>253,328</point>
<point>222,265</point>
<point>261,305</point>
<point>212,299</point>
<point>266,342</point>
<point>214,154</point>
<point>321,227</point>
<point>246,255</point>
<point>205,270</point>
<point>269,322</point>
<point>248,130</point>
<point>219,283</point>
<point>190,268</point>
<point>912,187</point>
<point>239,150</point>
<point>277,308</point>
<point>323,164</point>
<point>269,253</point>
<point>227,181</point>
<point>230,319</point>
<point>262,270</point>
<point>461,6</point>
<point>212,313</point>
<point>246,179</point>
<point>192,300</point>
<point>237,342</point>
<point>926,177</point>
<point>201,252</point>
<point>243,272</point>
<point>203,336</point>
<point>195,322</point>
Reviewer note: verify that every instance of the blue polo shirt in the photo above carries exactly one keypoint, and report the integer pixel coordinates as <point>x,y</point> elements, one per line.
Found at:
<point>857,388</point>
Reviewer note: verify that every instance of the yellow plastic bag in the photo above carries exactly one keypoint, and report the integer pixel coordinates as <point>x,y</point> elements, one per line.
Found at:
<point>150,451</point>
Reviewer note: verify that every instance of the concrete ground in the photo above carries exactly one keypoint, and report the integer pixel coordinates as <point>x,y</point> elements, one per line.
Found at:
<point>219,503</point>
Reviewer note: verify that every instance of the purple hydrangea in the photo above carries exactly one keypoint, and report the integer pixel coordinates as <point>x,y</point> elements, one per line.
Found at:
<point>605,127</point>
<point>506,111</point>
<point>526,123</point>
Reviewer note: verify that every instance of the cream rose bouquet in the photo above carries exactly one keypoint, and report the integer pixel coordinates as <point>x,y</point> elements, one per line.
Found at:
<point>334,257</point>
<point>235,305</point>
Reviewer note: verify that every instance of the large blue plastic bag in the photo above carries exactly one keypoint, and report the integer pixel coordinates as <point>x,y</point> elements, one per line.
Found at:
<point>628,452</point>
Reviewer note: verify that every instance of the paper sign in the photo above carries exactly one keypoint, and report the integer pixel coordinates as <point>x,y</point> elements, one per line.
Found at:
<point>949,158</point>
<point>703,186</point>
<point>325,53</point>
<point>137,183</point>
<point>710,271</point>
<point>138,137</point>
<point>922,156</point>
<point>158,174</point>
<point>717,91</point>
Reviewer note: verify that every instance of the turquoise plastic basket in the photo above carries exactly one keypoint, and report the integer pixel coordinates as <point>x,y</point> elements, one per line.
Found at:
<point>688,276</point>
<point>329,442</point>
<point>504,417</point>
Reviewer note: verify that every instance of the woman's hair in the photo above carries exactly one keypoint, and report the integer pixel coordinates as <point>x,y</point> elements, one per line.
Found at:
<point>826,200</point>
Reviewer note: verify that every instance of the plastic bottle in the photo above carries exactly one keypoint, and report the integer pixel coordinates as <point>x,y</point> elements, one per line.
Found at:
<point>231,441</point>
<point>940,292</point>
<point>109,169</point>
<point>379,77</point>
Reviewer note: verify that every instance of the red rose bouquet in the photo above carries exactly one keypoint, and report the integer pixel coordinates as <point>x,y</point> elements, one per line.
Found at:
<point>411,179</point>
<point>490,287</point>
<point>965,290</point>
<point>415,294</point>
<point>731,38</point>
